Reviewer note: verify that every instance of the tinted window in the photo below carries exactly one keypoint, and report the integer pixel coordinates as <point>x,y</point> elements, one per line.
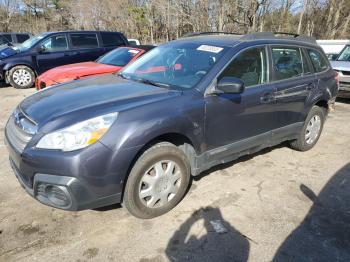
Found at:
<point>8,37</point>
<point>111,39</point>
<point>119,57</point>
<point>55,43</point>
<point>250,66</point>
<point>318,61</point>
<point>345,54</point>
<point>84,40</point>
<point>22,37</point>
<point>287,62</point>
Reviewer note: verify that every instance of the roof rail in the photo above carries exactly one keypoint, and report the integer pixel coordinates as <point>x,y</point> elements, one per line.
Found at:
<point>274,35</point>
<point>209,33</point>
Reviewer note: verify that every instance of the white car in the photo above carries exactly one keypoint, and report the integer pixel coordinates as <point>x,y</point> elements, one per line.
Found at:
<point>134,41</point>
<point>342,66</point>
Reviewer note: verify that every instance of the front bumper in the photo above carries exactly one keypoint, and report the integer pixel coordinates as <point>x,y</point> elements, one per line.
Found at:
<point>88,178</point>
<point>72,195</point>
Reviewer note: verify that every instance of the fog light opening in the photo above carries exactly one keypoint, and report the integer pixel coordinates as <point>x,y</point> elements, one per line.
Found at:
<point>57,195</point>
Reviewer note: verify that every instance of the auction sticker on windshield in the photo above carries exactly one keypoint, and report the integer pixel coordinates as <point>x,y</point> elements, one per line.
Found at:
<point>134,52</point>
<point>210,48</point>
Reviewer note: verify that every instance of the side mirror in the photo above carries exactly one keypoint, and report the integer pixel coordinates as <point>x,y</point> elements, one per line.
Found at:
<point>40,49</point>
<point>230,85</point>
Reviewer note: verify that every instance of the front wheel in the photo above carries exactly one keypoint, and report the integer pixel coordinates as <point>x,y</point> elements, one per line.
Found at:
<point>157,182</point>
<point>311,131</point>
<point>21,77</point>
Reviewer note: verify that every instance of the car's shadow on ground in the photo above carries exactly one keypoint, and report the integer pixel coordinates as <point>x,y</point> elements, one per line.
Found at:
<point>324,234</point>
<point>343,100</point>
<point>239,160</point>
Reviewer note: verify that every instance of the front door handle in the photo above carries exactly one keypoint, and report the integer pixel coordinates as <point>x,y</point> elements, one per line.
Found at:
<point>267,98</point>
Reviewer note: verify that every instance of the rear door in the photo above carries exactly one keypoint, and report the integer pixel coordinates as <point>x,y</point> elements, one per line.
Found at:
<point>84,47</point>
<point>294,80</point>
<point>54,53</point>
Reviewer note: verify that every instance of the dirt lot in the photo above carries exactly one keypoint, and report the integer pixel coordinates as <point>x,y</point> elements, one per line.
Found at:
<point>279,205</point>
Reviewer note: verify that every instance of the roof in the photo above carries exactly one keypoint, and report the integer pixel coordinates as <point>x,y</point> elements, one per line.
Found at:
<point>231,39</point>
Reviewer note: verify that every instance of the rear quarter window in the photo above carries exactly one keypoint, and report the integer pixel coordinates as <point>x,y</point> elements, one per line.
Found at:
<point>318,61</point>
<point>111,39</point>
<point>83,40</point>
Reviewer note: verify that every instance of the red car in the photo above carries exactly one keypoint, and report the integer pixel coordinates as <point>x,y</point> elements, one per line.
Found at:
<point>109,63</point>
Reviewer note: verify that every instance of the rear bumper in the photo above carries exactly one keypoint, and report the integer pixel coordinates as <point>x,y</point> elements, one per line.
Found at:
<point>344,86</point>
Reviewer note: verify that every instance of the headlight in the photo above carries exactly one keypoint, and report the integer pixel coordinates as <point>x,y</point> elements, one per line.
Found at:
<point>79,135</point>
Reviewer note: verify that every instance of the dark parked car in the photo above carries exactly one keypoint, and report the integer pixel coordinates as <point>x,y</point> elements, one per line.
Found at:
<point>13,38</point>
<point>20,65</point>
<point>137,136</point>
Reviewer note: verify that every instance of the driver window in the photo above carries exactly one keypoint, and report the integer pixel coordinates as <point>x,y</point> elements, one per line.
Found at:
<point>250,66</point>
<point>55,43</point>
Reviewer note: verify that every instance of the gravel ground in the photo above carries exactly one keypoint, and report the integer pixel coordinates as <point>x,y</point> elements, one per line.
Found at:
<point>279,205</point>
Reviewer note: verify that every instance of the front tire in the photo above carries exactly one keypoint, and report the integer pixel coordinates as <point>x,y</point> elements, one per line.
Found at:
<point>311,131</point>
<point>157,182</point>
<point>21,77</point>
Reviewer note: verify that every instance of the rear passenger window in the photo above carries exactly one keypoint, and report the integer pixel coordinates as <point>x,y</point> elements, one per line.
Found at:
<point>111,39</point>
<point>250,66</point>
<point>22,37</point>
<point>84,40</point>
<point>287,62</point>
<point>318,61</point>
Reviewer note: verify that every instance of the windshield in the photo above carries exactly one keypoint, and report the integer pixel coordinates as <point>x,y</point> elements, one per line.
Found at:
<point>345,54</point>
<point>119,57</point>
<point>30,42</point>
<point>180,65</point>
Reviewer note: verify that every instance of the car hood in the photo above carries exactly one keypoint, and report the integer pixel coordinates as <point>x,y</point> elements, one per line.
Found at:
<point>6,51</point>
<point>341,65</point>
<point>91,97</point>
<point>78,70</point>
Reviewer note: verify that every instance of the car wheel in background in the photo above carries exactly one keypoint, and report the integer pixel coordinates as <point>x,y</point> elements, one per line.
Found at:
<point>311,131</point>
<point>21,77</point>
<point>157,182</point>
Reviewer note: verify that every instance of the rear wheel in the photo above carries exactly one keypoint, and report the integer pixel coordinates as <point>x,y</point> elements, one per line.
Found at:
<point>157,182</point>
<point>311,131</point>
<point>21,77</point>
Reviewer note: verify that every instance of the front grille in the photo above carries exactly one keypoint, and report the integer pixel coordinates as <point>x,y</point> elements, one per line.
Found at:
<point>19,131</point>
<point>346,73</point>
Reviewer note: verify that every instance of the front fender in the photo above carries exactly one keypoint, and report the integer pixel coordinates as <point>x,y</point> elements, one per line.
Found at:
<point>11,64</point>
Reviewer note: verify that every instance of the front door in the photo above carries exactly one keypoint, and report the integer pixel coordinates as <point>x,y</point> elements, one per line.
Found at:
<point>54,52</point>
<point>243,119</point>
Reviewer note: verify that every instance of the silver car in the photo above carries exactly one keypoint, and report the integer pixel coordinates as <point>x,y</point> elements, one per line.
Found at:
<point>342,66</point>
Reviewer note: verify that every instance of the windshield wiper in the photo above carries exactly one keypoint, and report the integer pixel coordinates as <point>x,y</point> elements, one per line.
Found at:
<point>153,83</point>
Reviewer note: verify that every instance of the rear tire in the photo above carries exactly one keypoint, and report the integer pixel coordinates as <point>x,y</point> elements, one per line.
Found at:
<point>311,131</point>
<point>157,182</point>
<point>21,77</point>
